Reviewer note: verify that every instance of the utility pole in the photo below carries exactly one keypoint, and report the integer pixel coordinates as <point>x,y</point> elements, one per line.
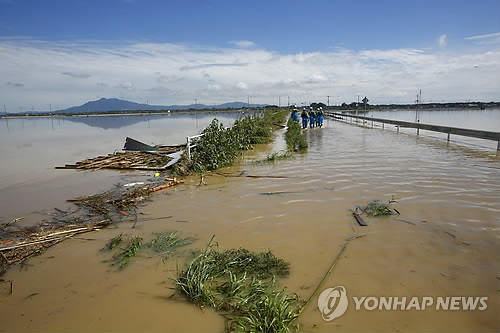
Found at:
<point>328,103</point>
<point>419,101</point>
<point>288,101</point>
<point>279,101</point>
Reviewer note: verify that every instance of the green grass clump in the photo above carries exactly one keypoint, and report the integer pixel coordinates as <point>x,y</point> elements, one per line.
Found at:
<point>295,139</point>
<point>242,284</point>
<point>114,242</point>
<point>281,155</point>
<point>122,258</point>
<point>126,247</point>
<point>378,208</point>
<point>165,243</point>
<point>267,310</point>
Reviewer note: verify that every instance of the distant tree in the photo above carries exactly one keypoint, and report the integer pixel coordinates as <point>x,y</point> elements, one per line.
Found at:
<point>317,105</point>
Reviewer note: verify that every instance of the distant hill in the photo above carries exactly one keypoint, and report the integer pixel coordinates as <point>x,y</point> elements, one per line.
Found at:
<point>115,104</point>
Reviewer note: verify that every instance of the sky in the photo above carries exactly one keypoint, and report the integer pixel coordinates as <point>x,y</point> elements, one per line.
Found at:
<point>60,53</point>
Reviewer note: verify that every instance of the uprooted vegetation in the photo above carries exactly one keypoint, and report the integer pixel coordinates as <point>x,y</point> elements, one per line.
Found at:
<point>242,284</point>
<point>294,137</point>
<point>220,146</point>
<point>126,247</point>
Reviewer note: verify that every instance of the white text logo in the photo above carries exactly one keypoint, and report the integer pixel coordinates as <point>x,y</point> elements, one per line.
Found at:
<point>332,302</point>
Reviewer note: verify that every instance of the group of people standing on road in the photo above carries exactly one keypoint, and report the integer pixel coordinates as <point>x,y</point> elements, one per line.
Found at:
<point>313,118</point>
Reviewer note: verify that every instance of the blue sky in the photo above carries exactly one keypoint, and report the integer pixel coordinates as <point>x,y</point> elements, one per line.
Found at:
<point>166,52</point>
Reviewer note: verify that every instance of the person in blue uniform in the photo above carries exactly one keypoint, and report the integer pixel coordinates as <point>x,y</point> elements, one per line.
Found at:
<point>295,115</point>
<point>312,118</point>
<point>304,116</point>
<point>320,116</point>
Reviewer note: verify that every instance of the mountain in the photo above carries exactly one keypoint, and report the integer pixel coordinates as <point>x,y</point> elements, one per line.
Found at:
<point>106,104</point>
<point>115,104</point>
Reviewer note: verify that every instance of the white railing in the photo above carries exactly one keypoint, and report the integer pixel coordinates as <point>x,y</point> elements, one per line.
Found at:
<point>189,145</point>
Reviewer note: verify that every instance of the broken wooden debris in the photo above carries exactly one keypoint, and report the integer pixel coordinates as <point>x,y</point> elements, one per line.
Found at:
<point>38,242</point>
<point>126,160</point>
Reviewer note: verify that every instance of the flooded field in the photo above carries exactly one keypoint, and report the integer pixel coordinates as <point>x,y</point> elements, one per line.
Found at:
<point>445,243</point>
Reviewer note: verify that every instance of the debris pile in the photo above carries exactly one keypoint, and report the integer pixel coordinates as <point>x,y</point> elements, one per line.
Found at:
<point>126,160</point>
<point>23,244</point>
<point>93,212</point>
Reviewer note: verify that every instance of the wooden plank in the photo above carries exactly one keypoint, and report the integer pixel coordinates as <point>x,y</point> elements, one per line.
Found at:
<point>359,220</point>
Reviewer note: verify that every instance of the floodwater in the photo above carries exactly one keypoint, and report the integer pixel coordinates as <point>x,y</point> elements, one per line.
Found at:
<point>31,148</point>
<point>445,243</point>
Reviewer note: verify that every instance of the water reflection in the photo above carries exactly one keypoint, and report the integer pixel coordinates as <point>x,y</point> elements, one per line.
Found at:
<point>115,122</point>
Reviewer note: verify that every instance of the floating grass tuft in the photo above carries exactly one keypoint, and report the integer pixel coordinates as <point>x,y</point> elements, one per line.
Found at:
<point>122,258</point>
<point>127,247</point>
<point>114,242</point>
<point>281,155</point>
<point>242,284</point>
<point>165,243</point>
<point>265,310</point>
<point>378,208</point>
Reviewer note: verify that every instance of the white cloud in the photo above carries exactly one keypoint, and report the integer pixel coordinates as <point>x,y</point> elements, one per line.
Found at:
<point>242,43</point>
<point>443,41</point>
<point>176,74</point>
<point>487,36</point>
<point>242,85</point>
<point>126,85</point>
<point>487,39</point>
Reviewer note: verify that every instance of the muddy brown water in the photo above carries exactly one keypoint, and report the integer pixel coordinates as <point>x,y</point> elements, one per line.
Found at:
<point>445,242</point>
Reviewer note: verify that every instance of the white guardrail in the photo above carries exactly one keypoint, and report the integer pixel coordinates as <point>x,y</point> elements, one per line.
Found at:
<point>189,145</point>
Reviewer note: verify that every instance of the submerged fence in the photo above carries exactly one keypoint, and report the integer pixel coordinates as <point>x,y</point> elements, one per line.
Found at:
<point>479,134</point>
